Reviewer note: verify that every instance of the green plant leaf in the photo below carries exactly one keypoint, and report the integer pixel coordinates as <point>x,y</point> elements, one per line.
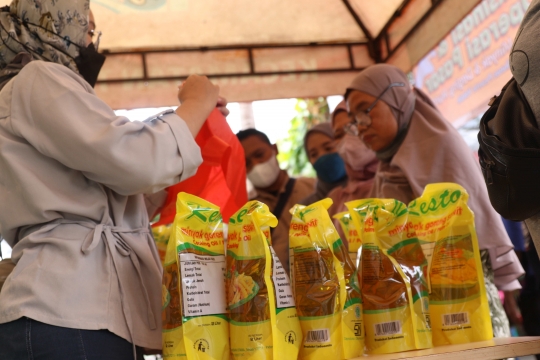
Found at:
<point>292,155</point>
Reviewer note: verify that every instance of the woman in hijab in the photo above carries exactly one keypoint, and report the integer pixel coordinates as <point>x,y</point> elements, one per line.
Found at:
<point>416,146</point>
<point>360,163</point>
<point>321,152</point>
<point>87,280</point>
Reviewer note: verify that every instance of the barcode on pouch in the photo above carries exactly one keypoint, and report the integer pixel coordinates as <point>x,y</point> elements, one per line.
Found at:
<point>455,319</point>
<point>322,335</point>
<point>388,328</point>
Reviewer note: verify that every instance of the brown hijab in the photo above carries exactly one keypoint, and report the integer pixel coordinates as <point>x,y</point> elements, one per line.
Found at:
<point>432,151</point>
<point>323,188</point>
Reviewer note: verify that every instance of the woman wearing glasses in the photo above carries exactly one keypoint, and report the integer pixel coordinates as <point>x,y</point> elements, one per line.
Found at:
<point>416,146</point>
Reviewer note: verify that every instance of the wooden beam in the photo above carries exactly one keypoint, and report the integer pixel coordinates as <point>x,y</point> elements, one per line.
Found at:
<point>442,17</point>
<point>373,45</point>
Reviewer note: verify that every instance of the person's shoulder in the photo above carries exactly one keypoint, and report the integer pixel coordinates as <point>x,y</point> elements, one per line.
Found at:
<point>335,192</point>
<point>264,196</point>
<point>40,66</point>
<point>305,181</point>
<point>430,138</point>
<point>44,71</point>
<point>304,186</point>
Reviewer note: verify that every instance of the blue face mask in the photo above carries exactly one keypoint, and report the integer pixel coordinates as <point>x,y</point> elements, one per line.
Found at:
<point>330,168</point>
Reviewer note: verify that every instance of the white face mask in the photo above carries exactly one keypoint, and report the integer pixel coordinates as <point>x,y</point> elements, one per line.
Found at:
<point>355,153</point>
<point>265,174</point>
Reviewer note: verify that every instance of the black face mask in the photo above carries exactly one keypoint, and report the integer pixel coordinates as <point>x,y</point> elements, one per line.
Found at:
<point>89,63</point>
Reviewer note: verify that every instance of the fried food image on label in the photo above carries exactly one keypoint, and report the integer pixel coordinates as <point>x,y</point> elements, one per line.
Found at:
<point>242,287</point>
<point>164,296</point>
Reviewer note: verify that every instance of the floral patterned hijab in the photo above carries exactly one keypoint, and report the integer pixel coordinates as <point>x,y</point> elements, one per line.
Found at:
<point>49,30</point>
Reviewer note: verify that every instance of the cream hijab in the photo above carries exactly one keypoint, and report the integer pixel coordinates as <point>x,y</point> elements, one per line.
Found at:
<point>432,151</point>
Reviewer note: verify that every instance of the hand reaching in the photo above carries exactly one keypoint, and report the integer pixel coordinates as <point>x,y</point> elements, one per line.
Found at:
<point>198,97</point>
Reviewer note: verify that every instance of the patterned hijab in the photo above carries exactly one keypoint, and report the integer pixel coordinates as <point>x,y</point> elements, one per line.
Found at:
<point>52,30</point>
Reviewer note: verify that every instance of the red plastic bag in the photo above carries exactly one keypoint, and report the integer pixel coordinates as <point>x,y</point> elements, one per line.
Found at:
<point>221,178</point>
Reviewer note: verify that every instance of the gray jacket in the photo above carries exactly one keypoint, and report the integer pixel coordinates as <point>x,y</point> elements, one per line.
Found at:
<point>73,174</point>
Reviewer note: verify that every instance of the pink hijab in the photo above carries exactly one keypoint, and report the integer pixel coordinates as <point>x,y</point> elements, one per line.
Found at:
<point>342,106</point>
<point>358,187</point>
<point>430,150</point>
<point>359,182</point>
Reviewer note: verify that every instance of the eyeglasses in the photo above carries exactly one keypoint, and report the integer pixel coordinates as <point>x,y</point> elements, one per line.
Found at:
<point>361,117</point>
<point>92,34</point>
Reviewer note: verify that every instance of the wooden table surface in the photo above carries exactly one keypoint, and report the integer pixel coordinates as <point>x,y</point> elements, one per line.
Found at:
<point>497,348</point>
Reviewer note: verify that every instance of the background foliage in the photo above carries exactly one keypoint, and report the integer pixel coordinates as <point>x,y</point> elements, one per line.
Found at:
<point>292,155</point>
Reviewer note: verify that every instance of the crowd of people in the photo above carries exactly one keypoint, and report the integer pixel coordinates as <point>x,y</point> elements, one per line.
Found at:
<point>388,140</point>
<point>87,276</point>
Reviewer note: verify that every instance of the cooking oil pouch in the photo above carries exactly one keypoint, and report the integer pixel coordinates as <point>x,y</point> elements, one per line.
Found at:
<point>327,294</point>
<point>161,234</point>
<point>458,302</point>
<point>263,319</point>
<point>352,235</point>
<point>352,318</point>
<point>394,289</point>
<point>195,325</point>
<point>171,315</point>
